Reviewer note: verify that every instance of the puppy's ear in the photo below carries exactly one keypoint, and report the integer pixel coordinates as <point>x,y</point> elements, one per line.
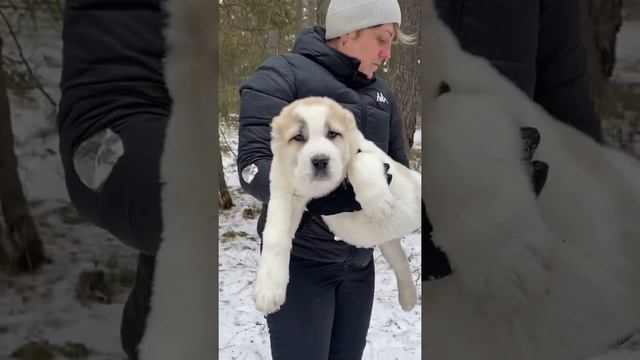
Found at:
<point>349,120</point>
<point>352,135</point>
<point>276,126</point>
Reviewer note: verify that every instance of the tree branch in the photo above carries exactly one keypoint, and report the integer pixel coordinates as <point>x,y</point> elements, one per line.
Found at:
<point>24,60</point>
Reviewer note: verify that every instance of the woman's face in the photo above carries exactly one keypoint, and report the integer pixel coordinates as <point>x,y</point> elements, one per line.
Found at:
<point>371,46</point>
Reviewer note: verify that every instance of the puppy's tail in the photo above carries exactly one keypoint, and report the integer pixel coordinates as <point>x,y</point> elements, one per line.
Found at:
<point>183,318</point>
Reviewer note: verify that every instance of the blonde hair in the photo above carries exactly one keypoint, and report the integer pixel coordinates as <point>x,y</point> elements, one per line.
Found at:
<point>401,37</point>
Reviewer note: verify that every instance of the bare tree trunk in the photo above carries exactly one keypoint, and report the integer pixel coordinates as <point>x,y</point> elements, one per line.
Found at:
<point>272,41</point>
<point>306,12</point>
<point>600,21</point>
<point>300,13</point>
<point>309,12</point>
<point>224,197</point>
<point>21,248</point>
<point>404,72</point>
<point>321,11</point>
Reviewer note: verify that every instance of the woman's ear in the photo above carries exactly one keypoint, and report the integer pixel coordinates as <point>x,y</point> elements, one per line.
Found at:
<point>344,38</point>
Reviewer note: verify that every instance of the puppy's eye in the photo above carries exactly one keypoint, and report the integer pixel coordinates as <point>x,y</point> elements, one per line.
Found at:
<point>332,134</point>
<point>298,138</point>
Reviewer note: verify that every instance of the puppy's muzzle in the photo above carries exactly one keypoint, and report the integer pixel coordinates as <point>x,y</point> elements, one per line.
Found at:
<point>320,165</point>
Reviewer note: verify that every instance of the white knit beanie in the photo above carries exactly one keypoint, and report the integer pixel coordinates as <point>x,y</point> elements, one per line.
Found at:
<point>344,16</point>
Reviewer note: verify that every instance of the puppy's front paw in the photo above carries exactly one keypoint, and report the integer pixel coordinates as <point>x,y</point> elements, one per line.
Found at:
<point>378,205</point>
<point>270,288</point>
<point>368,177</point>
<point>517,279</point>
<point>525,279</point>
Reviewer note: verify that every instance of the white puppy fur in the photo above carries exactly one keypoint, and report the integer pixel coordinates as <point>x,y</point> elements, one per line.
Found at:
<point>555,278</point>
<point>315,145</point>
<point>183,319</point>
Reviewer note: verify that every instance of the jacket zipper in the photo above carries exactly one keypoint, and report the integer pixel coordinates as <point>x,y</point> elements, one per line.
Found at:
<point>363,108</point>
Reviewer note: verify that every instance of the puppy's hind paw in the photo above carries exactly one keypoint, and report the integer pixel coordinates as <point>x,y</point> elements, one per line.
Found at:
<point>407,297</point>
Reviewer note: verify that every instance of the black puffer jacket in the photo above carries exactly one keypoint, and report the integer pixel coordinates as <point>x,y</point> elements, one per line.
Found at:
<point>112,73</point>
<point>313,69</point>
<point>106,62</point>
<point>534,43</point>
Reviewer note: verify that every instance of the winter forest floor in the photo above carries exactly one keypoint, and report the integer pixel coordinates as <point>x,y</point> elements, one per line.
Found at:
<point>47,316</point>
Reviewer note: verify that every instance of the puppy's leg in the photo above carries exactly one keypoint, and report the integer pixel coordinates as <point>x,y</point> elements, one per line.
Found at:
<point>366,174</point>
<point>481,203</point>
<point>393,252</point>
<point>283,216</point>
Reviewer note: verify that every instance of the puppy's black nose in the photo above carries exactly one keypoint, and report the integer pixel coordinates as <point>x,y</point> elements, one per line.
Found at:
<point>320,162</point>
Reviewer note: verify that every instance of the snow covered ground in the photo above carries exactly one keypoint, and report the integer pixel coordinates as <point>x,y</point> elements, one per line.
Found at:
<point>42,307</point>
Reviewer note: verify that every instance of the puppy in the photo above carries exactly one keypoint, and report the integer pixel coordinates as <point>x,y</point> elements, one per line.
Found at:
<point>315,145</point>
<point>554,278</point>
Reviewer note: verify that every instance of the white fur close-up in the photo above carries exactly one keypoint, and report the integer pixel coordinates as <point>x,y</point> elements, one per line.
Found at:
<point>317,141</point>
<point>552,278</point>
<point>182,323</point>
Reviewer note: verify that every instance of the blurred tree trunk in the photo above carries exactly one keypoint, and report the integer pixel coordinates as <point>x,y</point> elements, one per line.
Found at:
<point>309,12</point>
<point>404,72</point>
<point>224,197</point>
<point>272,41</point>
<point>306,12</point>
<point>21,248</point>
<point>300,13</point>
<point>600,21</point>
<point>321,11</point>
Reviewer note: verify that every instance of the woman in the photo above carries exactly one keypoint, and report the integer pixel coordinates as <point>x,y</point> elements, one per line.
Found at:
<point>330,293</point>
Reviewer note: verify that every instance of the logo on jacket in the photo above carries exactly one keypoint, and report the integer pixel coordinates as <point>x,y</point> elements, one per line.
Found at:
<point>380,98</point>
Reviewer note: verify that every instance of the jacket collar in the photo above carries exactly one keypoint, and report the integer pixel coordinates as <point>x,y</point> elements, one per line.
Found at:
<point>311,44</point>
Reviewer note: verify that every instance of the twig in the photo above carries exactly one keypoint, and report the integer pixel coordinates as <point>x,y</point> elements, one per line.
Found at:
<point>232,258</point>
<point>235,157</point>
<point>12,4</point>
<point>12,7</point>
<point>238,333</point>
<point>24,60</point>
<point>242,288</point>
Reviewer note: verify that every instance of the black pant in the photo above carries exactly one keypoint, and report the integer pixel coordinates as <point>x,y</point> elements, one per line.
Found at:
<point>128,206</point>
<point>326,313</point>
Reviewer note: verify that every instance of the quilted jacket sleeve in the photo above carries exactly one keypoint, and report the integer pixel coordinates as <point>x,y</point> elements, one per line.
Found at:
<point>262,97</point>
<point>111,48</point>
